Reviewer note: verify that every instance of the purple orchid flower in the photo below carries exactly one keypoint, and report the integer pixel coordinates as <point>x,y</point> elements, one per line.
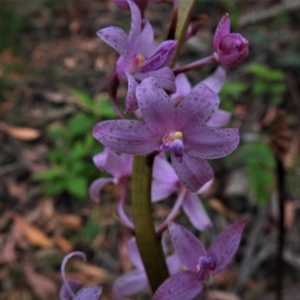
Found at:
<point>72,289</point>
<point>181,129</point>
<point>201,263</point>
<point>119,166</point>
<point>215,82</point>
<point>140,57</point>
<point>165,182</point>
<point>136,280</point>
<point>230,48</point>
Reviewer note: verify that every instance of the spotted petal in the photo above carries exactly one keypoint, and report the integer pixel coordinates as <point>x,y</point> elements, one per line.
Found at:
<point>116,38</point>
<point>223,28</point>
<point>192,171</point>
<point>226,244</point>
<point>183,285</point>
<point>197,107</point>
<point>126,136</point>
<point>161,58</point>
<point>210,143</point>
<point>187,246</point>
<point>157,109</point>
<point>135,28</point>
<point>219,118</point>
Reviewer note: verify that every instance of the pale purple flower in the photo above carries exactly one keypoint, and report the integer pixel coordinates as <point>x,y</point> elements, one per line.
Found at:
<point>136,280</point>
<point>200,263</point>
<point>119,166</point>
<point>165,182</point>
<point>230,48</point>
<point>181,129</point>
<point>139,57</point>
<point>72,289</point>
<point>215,82</point>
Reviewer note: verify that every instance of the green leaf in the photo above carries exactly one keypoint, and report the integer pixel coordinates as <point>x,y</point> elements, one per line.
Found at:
<point>260,164</point>
<point>76,186</point>
<point>54,187</point>
<point>83,98</point>
<point>80,124</point>
<point>264,72</point>
<point>104,109</point>
<point>90,230</point>
<point>47,175</point>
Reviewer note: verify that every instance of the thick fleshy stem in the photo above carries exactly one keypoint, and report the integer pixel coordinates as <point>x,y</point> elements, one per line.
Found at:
<point>163,226</point>
<point>196,64</point>
<point>148,242</point>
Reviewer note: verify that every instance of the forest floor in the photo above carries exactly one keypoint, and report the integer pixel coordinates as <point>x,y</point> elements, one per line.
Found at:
<point>53,72</point>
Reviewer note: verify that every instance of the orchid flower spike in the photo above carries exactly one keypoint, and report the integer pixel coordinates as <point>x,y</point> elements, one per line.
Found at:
<point>136,280</point>
<point>139,57</point>
<point>230,48</point>
<point>119,166</point>
<point>215,82</point>
<point>180,129</point>
<point>200,263</point>
<point>72,289</point>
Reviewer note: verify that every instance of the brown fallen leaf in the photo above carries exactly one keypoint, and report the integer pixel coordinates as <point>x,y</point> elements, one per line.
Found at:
<point>91,270</point>
<point>70,221</point>
<point>34,235</point>
<point>64,244</point>
<point>21,133</point>
<point>42,286</point>
<point>221,208</point>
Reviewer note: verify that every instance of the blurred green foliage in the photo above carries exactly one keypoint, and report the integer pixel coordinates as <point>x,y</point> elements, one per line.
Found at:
<point>260,164</point>
<point>70,160</point>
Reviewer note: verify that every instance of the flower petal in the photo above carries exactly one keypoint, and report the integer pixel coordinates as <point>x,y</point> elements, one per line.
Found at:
<point>164,76</point>
<point>226,244</point>
<point>135,28</point>
<point>187,246</point>
<point>145,43</point>
<point>116,38</point>
<point>173,263</point>
<point>195,211</point>
<point>163,171</point>
<point>126,136</point>
<point>89,293</point>
<point>64,293</point>
<point>130,283</point>
<point>96,187</point>
<point>131,101</point>
<point>183,86</point>
<point>157,109</point>
<point>161,58</point>
<point>112,163</point>
<point>219,118</point>
<point>161,190</point>
<point>183,285</point>
<point>206,142</point>
<point>134,254</point>
<point>197,107</point>
<point>216,81</point>
<point>192,171</point>
<point>223,28</point>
